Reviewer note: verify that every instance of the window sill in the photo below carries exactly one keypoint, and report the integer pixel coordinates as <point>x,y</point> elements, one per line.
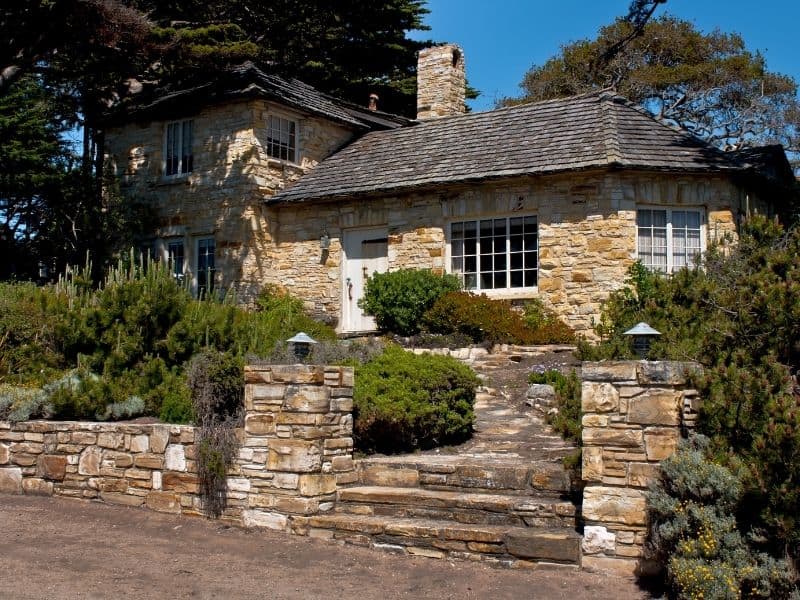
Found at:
<point>509,293</point>
<point>277,162</point>
<point>173,179</point>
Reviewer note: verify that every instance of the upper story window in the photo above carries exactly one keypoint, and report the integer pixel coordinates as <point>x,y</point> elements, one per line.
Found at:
<point>282,138</point>
<point>178,150</point>
<point>491,254</point>
<point>669,239</point>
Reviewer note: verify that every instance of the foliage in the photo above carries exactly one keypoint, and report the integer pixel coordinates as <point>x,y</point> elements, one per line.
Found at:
<point>483,319</point>
<point>216,381</point>
<point>694,531</point>
<point>338,352</point>
<point>399,299</point>
<point>739,316</point>
<point>131,337</point>
<point>567,421</point>
<point>404,402</point>
<point>707,83</point>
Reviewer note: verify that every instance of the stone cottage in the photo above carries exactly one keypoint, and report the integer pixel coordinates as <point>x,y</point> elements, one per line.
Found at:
<point>260,180</point>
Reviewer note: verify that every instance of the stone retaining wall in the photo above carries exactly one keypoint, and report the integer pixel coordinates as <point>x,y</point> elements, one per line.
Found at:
<point>296,444</point>
<point>634,413</point>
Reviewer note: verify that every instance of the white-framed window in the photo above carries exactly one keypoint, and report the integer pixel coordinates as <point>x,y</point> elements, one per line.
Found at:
<point>206,251</point>
<point>176,255</point>
<point>497,253</point>
<point>668,239</point>
<point>178,139</point>
<point>282,138</point>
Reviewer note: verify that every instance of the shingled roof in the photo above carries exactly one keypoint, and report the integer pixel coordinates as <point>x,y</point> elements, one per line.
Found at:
<point>248,81</point>
<point>589,131</point>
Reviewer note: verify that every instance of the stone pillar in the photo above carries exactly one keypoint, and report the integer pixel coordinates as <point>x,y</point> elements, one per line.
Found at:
<point>441,82</point>
<point>633,414</point>
<point>297,441</point>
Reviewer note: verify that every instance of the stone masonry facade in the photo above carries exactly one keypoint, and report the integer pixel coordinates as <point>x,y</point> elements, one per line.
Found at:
<point>634,413</point>
<point>295,444</point>
<point>586,227</point>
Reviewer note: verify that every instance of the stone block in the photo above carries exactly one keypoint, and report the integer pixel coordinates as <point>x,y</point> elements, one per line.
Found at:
<point>140,443</point>
<point>342,405</point>
<point>542,393</point>
<point>599,397</point>
<point>555,546</point>
<point>268,393</point>
<point>166,502</point>
<point>595,420</point>
<point>4,454</point>
<point>664,372</point>
<point>603,504</point>
<point>10,480</point>
<point>159,438</point>
<point>608,371</point>
<point>180,482</point>
<point>660,442</point>
<point>612,436</point>
<point>656,407</point>
<point>37,487</point>
<point>83,437</point>
<point>90,460</point>
<point>642,474</point>
<point>23,460</point>
<point>52,467</point>
<point>266,519</point>
<point>111,440</point>
<point>148,461</point>
<point>307,398</point>
<point>592,463</point>
<point>622,567</point>
<point>387,476</point>
<point>298,506</point>
<point>175,458</point>
<point>124,499</point>
<point>300,456</point>
<point>598,540</point>
<point>314,484</point>
<point>260,424</point>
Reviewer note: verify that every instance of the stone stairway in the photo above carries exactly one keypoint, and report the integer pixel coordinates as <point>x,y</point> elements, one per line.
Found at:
<point>502,497</point>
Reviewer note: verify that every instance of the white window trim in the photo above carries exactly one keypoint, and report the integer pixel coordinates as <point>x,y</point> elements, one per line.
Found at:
<point>164,151</point>
<point>271,112</point>
<point>507,292</point>
<point>669,208</point>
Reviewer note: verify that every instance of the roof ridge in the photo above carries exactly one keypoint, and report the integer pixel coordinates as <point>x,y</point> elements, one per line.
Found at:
<point>610,132</point>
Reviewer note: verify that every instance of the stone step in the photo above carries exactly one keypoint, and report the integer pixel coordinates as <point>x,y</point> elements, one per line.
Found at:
<point>461,507</point>
<point>461,472</point>
<point>444,539</point>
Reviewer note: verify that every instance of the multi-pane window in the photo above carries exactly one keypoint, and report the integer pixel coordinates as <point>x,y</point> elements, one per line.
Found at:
<point>206,248</point>
<point>492,254</point>
<point>281,138</point>
<point>175,255</point>
<point>668,239</point>
<point>178,152</point>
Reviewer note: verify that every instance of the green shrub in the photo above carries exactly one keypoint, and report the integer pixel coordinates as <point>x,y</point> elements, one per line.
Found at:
<point>694,532</point>
<point>544,324</point>
<point>567,421</point>
<point>405,402</point>
<point>398,299</point>
<point>476,316</point>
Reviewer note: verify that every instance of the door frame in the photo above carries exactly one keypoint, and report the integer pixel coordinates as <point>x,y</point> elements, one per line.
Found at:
<point>344,321</point>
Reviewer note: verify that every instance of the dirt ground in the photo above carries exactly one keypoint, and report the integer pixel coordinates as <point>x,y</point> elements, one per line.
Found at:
<point>61,548</point>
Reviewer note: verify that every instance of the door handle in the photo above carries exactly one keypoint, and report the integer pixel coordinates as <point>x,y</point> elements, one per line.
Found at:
<point>349,289</point>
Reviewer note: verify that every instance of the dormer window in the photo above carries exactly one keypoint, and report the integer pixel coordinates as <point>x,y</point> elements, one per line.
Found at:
<point>178,151</point>
<point>282,138</point>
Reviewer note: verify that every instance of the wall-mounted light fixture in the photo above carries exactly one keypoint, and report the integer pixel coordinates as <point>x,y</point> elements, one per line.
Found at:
<point>324,241</point>
<point>642,335</point>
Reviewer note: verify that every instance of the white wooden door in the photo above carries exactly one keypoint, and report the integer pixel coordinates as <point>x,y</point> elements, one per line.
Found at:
<point>365,253</point>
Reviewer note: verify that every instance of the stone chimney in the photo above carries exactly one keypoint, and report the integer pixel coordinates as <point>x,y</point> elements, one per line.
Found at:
<point>441,82</point>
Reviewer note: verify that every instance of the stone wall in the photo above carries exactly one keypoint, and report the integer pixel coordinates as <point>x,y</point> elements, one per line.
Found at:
<point>587,233</point>
<point>223,195</point>
<point>295,446</point>
<point>634,413</point>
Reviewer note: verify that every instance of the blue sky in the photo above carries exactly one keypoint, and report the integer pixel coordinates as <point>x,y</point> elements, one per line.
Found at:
<point>502,39</point>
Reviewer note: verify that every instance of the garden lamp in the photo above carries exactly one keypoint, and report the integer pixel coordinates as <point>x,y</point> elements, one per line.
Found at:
<point>301,345</point>
<point>642,335</point>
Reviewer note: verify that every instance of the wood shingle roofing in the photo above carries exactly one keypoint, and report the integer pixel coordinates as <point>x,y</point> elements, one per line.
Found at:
<point>591,131</point>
